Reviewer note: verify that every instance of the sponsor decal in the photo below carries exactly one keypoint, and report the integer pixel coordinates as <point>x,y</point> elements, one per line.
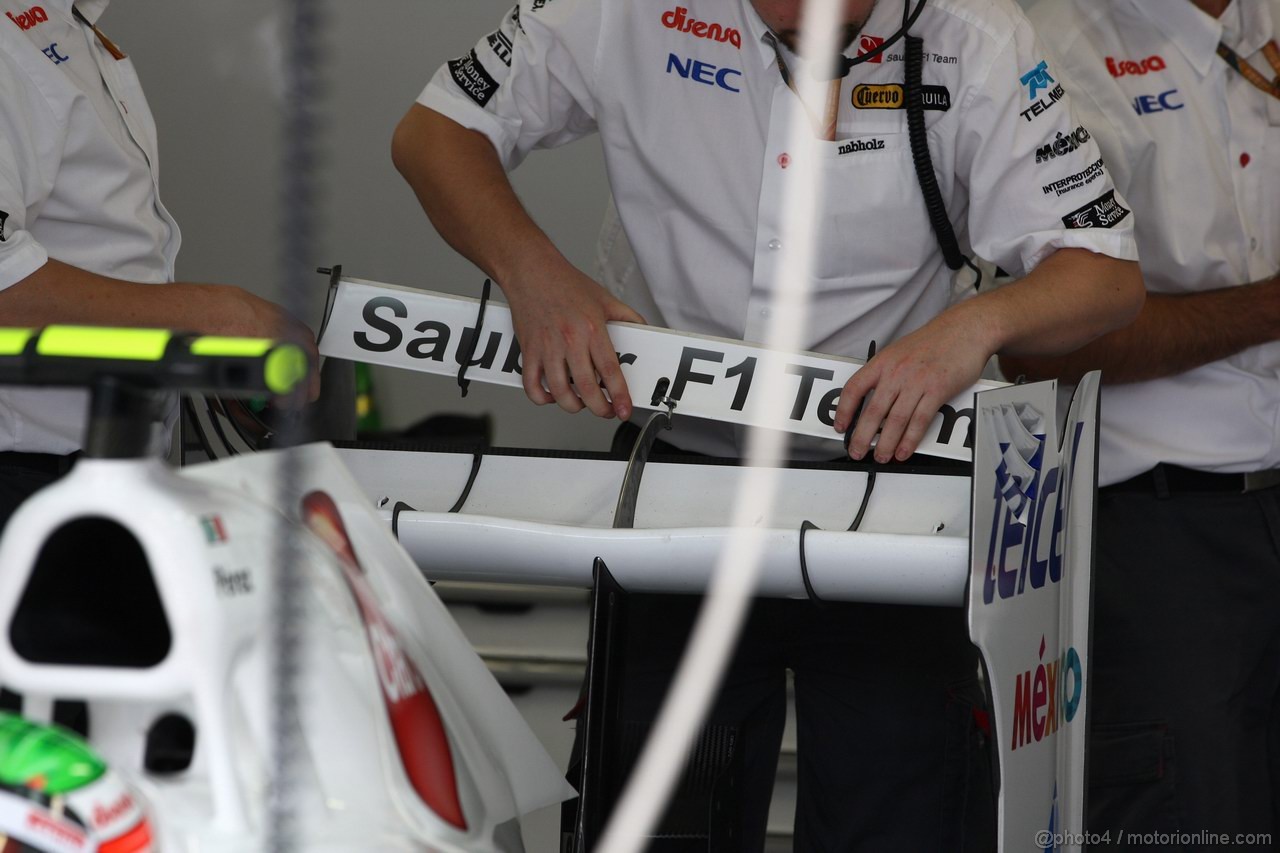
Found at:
<point>878,97</point>
<point>33,17</point>
<point>472,78</point>
<point>1036,80</point>
<point>500,44</point>
<point>1047,698</point>
<point>4,217</point>
<point>941,59</point>
<point>1123,67</point>
<point>103,815</point>
<point>1071,183</point>
<point>436,337</point>
<point>52,52</point>
<point>1146,104</point>
<point>1032,535</point>
<point>214,532</point>
<point>38,822</point>
<point>891,96</point>
<point>937,58</point>
<point>704,72</point>
<point>712,378</point>
<point>1102,212</point>
<point>677,19</point>
<point>1044,104</point>
<point>856,145</point>
<point>866,44</point>
<point>433,340</point>
<point>415,720</point>
<point>233,584</point>
<point>1062,145</point>
<point>538,4</point>
<point>515,17</point>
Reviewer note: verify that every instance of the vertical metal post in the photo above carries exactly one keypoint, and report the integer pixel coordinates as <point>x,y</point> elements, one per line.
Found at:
<point>303,28</point>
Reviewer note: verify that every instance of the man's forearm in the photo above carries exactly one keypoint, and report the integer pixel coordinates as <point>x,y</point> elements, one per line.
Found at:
<point>559,314</point>
<point>1072,297</point>
<point>1173,334</point>
<point>61,293</point>
<point>465,192</point>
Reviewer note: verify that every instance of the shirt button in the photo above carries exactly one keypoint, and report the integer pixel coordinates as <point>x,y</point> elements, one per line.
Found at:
<point>775,244</point>
<point>784,159</point>
<point>1253,244</point>
<point>764,312</point>
<point>1244,159</point>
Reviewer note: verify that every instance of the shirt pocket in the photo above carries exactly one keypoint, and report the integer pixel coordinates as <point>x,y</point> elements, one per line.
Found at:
<point>874,222</point>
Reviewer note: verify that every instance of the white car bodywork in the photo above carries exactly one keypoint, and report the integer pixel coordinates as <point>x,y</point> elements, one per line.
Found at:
<point>374,639</point>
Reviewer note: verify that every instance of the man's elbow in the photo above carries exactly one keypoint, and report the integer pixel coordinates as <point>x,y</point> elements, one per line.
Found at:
<point>1128,292</point>
<point>421,130</point>
<point>408,138</point>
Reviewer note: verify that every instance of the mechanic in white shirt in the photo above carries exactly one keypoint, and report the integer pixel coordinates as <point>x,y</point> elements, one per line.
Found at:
<point>84,238</point>
<point>1183,98</point>
<point>693,111</point>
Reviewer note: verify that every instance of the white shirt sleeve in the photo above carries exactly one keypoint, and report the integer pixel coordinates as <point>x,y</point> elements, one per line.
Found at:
<point>25,142</point>
<point>1037,180</point>
<point>527,84</point>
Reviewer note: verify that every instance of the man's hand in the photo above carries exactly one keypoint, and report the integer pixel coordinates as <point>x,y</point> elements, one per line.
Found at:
<point>61,293</point>
<point>1072,297</point>
<point>559,319</point>
<point>559,313</point>
<point>254,317</point>
<point>911,379</point>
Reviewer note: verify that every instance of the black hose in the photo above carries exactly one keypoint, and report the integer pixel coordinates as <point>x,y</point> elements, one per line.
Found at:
<point>914,68</point>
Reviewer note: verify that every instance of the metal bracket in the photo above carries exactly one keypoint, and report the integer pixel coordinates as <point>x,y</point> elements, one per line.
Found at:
<point>335,275</point>
<point>624,512</point>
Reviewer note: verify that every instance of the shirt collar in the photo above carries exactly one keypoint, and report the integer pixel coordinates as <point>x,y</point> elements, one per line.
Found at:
<point>1197,35</point>
<point>878,23</point>
<point>1257,26</point>
<point>757,29</point>
<point>91,9</point>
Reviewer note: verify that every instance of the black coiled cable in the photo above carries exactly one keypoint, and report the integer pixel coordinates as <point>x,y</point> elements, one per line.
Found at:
<point>913,64</point>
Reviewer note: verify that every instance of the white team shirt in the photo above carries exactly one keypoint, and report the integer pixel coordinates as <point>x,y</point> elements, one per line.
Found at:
<point>694,118</point>
<point>1196,149</point>
<point>78,182</point>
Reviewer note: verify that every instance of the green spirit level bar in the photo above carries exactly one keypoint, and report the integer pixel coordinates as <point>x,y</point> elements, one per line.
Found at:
<point>127,369</point>
<point>150,358</point>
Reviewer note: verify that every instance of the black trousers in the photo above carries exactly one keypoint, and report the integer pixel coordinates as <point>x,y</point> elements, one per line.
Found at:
<point>890,714</point>
<point>1185,705</point>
